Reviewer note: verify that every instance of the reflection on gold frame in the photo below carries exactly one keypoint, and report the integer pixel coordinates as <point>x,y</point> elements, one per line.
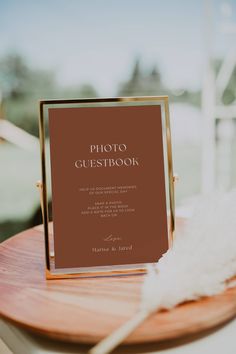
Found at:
<point>49,250</point>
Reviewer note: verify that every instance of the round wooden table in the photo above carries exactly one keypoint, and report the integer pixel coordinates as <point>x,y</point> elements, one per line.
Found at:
<point>87,310</point>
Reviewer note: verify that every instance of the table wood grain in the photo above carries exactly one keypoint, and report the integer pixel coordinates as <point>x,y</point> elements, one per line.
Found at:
<point>87,310</point>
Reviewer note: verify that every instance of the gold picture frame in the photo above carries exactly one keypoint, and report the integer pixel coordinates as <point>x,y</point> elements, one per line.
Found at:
<point>51,272</point>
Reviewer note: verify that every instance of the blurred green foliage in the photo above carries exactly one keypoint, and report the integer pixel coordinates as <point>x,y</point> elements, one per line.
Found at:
<point>229,94</point>
<point>149,82</point>
<point>22,86</point>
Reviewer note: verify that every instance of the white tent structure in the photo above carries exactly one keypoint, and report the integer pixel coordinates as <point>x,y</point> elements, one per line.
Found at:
<point>16,135</point>
<point>216,158</point>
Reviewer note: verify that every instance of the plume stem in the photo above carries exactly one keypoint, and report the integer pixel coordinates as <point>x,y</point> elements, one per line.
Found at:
<point>109,343</point>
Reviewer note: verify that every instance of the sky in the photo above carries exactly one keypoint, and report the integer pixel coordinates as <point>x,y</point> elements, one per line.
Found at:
<point>97,41</point>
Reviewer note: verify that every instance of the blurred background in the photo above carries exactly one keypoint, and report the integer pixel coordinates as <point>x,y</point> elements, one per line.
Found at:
<point>72,49</point>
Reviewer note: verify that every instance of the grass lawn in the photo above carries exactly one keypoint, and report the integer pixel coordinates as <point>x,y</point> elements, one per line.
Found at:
<point>19,171</point>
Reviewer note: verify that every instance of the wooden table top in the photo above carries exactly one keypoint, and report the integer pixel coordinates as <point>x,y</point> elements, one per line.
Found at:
<point>86,310</point>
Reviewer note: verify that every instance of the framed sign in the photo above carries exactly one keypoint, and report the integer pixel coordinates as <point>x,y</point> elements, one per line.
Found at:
<point>107,170</point>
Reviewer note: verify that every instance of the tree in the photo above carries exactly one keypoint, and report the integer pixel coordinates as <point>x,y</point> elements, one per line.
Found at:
<point>142,83</point>
<point>14,76</point>
<point>21,88</point>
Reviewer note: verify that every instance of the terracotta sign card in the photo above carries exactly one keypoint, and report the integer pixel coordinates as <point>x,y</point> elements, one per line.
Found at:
<point>109,203</point>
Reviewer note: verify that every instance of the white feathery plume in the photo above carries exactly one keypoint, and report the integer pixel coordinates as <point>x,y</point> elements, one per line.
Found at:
<point>200,263</point>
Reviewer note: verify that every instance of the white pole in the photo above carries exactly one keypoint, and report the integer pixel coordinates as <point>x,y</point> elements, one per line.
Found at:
<point>208,108</point>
